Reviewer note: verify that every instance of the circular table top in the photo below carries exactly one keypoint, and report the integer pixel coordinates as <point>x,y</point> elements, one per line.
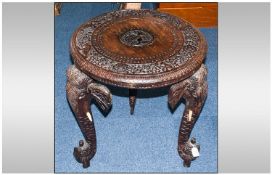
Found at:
<point>138,49</point>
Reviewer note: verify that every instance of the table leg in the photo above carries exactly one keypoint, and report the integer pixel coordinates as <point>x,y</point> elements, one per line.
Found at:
<point>132,99</point>
<point>57,8</point>
<point>194,91</point>
<point>81,90</point>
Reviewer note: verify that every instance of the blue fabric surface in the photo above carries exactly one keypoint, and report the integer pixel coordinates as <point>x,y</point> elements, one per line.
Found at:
<point>145,142</point>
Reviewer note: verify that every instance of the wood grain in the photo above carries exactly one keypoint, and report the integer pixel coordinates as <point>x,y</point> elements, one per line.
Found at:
<point>147,49</point>
<point>199,14</point>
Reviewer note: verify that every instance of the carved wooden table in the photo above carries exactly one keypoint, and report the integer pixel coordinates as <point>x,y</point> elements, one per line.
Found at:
<point>136,49</point>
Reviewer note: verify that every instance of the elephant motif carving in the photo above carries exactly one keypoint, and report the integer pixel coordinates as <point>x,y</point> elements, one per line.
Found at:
<point>194,91</point>
<point>81,91</point>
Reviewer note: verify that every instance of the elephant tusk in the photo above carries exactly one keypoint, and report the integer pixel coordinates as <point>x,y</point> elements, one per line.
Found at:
<point>190,115</point>
<point>89,116</point>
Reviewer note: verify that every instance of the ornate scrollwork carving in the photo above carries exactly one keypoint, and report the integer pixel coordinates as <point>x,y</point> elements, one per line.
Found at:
<point>137,49</point>
<point>89,44</point>
<point>81,90</point>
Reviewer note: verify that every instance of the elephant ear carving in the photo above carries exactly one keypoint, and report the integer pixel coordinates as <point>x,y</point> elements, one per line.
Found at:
<point>101,95</point>
<point>175,94</point>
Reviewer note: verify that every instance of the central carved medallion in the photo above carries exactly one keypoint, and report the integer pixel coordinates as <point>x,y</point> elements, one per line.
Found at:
<point>136,38</point>
<point>142,42</point>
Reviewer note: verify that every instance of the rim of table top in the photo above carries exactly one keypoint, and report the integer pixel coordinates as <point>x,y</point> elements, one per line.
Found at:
<point>139,81</point>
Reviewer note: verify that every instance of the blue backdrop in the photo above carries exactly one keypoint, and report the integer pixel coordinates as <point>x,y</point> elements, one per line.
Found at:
<point>145,142</point>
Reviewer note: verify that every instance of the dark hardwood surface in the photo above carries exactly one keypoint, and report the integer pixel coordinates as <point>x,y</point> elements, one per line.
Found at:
<point>138,49</point>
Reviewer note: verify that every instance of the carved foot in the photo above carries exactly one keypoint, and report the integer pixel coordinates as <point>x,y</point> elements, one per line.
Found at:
<point>194,91</point>
<point>83,153</point>
<point>81,90</point>
<point>189,151</point>
<point>132,99</point>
